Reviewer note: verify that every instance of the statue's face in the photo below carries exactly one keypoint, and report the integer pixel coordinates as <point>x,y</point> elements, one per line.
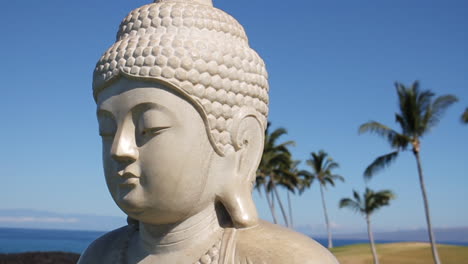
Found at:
<point>156,152</point>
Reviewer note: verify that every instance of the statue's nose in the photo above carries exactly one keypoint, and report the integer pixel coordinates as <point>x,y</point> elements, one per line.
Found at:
<point>124,148</point>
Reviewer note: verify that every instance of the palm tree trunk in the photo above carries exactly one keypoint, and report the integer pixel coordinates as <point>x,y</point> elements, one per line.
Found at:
<point>270,204</point>
<point>291,223</point>
<point>435,255</point>
<point>371,239</point>
<point>273,204</point>
<point>330,242</point>
<point>286,222</point>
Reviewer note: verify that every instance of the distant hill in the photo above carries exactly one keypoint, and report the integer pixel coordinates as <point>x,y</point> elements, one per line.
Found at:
<point>454,234</point>
<point>30,218</point>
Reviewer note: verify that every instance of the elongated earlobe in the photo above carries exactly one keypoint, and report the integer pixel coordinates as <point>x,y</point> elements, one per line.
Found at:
<point>236,194</point>
<point>239,203</point>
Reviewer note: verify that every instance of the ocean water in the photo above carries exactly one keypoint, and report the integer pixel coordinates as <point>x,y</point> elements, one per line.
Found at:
<point>15,240</point>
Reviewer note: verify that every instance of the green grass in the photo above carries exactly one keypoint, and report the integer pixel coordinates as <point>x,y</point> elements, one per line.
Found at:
<point>401,253</point>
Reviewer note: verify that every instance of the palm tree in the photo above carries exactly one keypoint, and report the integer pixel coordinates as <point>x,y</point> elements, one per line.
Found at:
<point>275,160</point>
<point>418,114</point>
<point>261,182</point>
<point>289,179</point>
<point>322,166</point>
<point>464,117</point>
<point>367,205</point>
<point>275,177</point>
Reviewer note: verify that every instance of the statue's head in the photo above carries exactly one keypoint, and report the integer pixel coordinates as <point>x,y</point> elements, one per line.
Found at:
<point>182,108</point>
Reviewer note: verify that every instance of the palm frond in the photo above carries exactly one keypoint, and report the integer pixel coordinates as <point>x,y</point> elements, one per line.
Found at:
<point>306,174</point>
<point>277,133</point>
<point>406,94</point>
<point>401,142</point>
<point>329,164</point>
<point>303,184</point>
<point>369,202</point>
<point>314,164</point>
<point>377,128</point>
<point>337,177</point>
<point>329,180</point>
<point>437,109</point>
<point>260,181</point>
<point>464,116</point>
<point>332,165</point>
<point>403,124</point>
<point>288,143</point>
<point>379,163</point>
<point>423,100</point>
<point>375,200</point>
<point>395,139</point>
<point>317,160</point>
<point>351,204</point>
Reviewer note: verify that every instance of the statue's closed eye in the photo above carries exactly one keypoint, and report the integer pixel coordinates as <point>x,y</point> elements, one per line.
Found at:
<point>153,121</point>
<point>153,130</point>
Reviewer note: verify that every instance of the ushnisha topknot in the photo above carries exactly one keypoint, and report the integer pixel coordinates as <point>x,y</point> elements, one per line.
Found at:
<point>198,49</point>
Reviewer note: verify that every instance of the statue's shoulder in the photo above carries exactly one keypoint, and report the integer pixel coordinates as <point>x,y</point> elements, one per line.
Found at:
<point>272,244</point>
<point>106,249</point>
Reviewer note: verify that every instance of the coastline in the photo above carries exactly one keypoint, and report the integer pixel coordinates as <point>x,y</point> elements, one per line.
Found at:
<point>19,240</point>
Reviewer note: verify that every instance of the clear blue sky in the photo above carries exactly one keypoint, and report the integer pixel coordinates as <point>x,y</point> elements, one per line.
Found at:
<point>332,65</point>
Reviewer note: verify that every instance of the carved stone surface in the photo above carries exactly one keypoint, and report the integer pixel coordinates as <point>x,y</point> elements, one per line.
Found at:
<point>182,105</point>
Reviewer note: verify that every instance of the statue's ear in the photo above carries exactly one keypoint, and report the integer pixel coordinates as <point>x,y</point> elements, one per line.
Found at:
<point>236,194</point>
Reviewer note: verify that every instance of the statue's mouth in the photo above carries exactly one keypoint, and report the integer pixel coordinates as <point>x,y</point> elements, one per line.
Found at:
<point>132,181</point>
<point>128,179</point>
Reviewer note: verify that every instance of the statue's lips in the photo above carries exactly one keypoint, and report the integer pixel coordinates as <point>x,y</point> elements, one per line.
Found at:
<point>128,179</point>
<point>130,182</point>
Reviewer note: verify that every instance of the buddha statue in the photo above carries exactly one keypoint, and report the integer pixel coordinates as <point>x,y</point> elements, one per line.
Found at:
<point>182,104</point>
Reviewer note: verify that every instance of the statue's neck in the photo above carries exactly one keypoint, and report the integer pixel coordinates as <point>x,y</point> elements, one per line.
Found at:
<point>197,229</point>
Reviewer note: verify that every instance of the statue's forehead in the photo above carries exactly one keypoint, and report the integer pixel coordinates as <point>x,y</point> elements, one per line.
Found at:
<point>133,88</point>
